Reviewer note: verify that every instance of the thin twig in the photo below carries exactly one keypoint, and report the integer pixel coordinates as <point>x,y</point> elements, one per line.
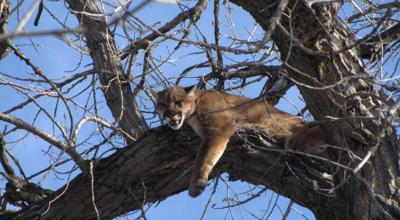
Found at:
<point>92,190</point>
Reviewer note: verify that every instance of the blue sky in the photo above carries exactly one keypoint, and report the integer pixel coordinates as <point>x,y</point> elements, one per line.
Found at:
<point>58,60</point>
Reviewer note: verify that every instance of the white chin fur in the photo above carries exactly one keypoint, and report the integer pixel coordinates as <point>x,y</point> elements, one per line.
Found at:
<point>177,127</point>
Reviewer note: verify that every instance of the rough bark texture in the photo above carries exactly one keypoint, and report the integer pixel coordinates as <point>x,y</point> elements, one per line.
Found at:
<point>317,29</point>
<point>159,164</point>
<point>4,11</point>
<point>106,62</point>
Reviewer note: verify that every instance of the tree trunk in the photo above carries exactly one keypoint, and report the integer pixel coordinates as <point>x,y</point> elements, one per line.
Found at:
<point>107,64</point>
<point>159,165</point>
<point>4,11</point>
<point>314,55</point>
<point>344,187</point>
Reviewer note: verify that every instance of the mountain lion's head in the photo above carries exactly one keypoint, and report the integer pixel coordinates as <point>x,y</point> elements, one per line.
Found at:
<point>175,104</point>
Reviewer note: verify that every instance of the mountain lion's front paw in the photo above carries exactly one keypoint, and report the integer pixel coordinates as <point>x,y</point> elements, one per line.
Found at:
<point>197,187</point>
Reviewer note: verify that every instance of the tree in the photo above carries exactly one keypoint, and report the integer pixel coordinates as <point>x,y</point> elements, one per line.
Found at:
<point>345,67</point>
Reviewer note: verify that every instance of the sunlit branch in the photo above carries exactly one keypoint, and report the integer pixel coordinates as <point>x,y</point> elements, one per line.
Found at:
<point>94,119</point>
<point>48,138</point>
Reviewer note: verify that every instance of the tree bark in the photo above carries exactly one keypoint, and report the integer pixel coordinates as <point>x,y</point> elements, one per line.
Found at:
<point>159,164</point>
<point>114,82</point>
<point>4,11</point>
<point>318,52</point>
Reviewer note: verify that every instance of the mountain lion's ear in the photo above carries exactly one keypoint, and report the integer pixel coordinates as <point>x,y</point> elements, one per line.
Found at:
<point>154,94</point>
<point>191,90</point>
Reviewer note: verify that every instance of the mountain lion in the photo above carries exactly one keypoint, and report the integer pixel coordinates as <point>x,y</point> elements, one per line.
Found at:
<point>214,115</point>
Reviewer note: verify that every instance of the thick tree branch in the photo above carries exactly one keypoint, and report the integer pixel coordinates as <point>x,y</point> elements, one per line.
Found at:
<point>316,28</point>
<point>4,11</point>
<point>375,44</point>
<point>115,86</point>
<point>18,192</point>
<point>159,164</point>
<point>162,162</point>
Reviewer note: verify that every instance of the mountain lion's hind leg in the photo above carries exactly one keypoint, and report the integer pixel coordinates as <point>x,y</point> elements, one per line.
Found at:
<point>210,152</point>
<point>310,139</point>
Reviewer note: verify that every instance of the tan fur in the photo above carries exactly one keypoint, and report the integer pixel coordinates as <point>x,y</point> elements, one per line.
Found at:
<point>214,115</point>
<point>310,140</point>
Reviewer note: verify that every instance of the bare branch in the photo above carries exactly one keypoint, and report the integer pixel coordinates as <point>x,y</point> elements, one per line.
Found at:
<point>118,94</point>
<point>48,138</point>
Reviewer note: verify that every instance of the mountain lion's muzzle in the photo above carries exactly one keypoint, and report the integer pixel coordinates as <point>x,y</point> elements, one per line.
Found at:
<point>175,121</point>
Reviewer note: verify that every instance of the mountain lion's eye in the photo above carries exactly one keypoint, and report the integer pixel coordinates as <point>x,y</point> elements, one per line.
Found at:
<point>178,103</point>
